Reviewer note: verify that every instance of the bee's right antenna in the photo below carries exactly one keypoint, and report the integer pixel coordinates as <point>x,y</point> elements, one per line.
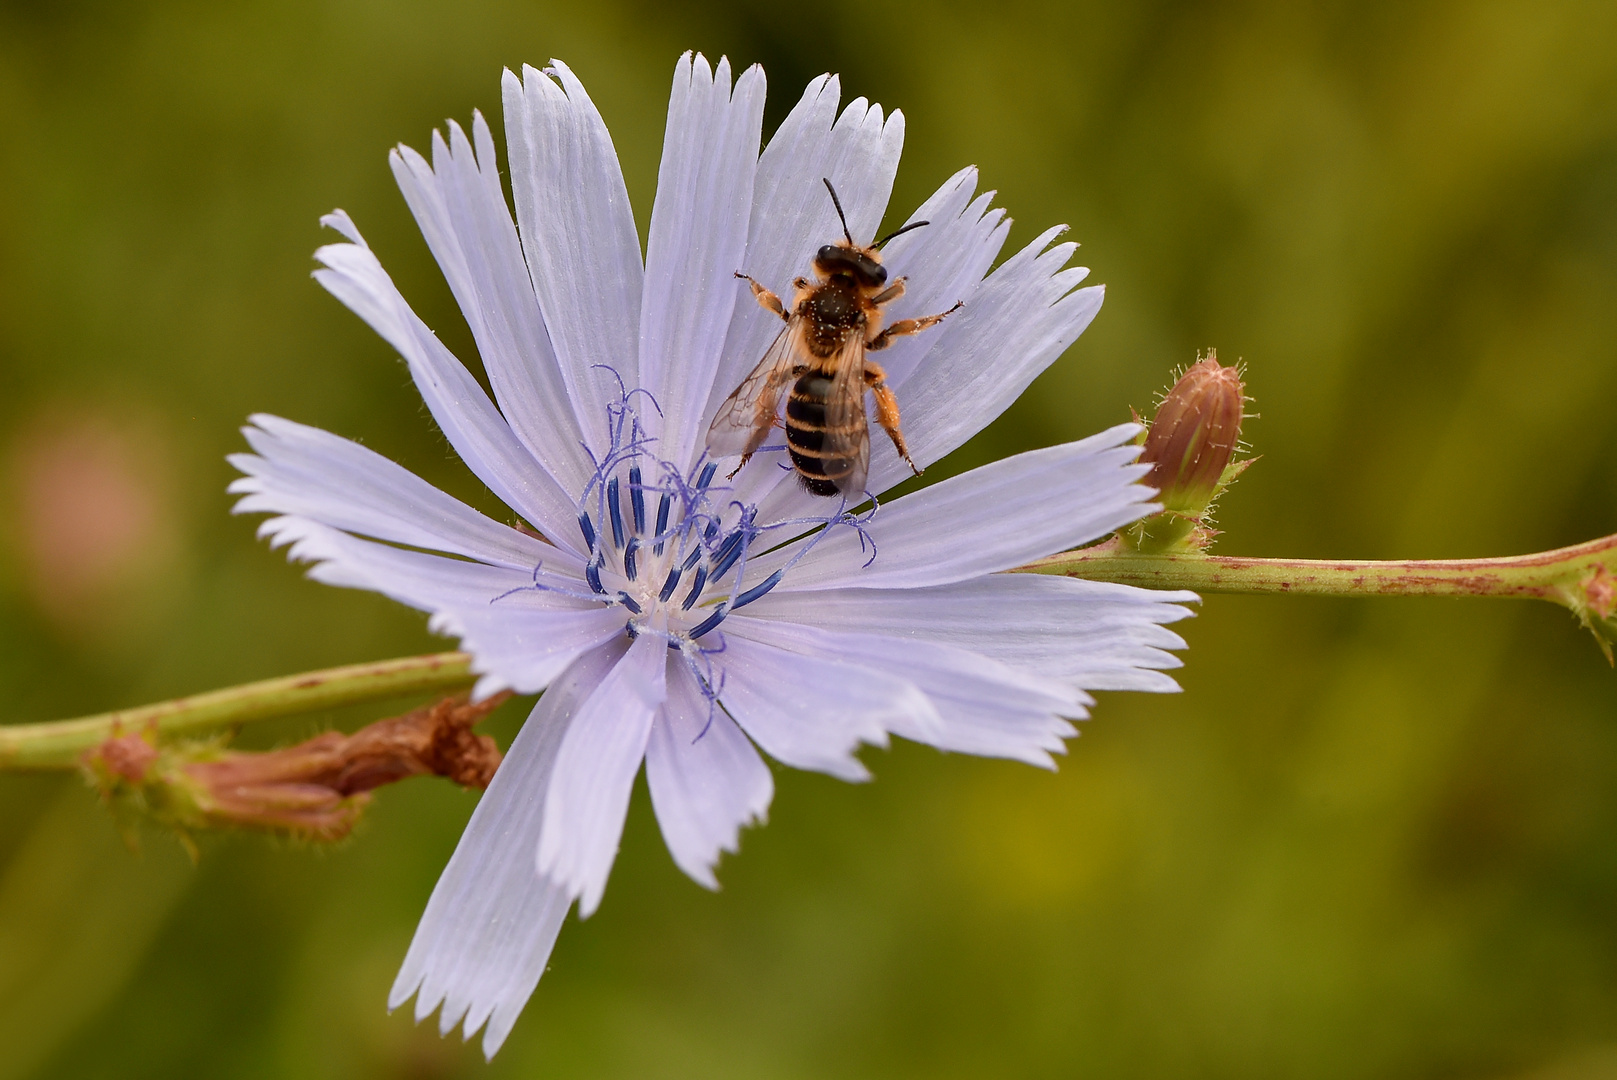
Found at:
<point>836,202</point>
<point>899,232</point>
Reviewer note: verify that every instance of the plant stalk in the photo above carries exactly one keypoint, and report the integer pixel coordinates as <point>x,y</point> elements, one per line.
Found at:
<point>1582,578</point>
<point>58,744</point>
<point>1543,576</point>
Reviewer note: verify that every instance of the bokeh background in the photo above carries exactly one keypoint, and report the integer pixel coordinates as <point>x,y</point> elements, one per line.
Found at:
<point>1373,838</point>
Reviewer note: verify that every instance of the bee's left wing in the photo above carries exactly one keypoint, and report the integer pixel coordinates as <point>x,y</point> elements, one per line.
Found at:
<point>744,420</point>
<point>847,433</point>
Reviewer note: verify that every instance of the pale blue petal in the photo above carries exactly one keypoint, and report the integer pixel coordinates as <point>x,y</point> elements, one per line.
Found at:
<point>467,418</point>
<point>979,705</point>
<point>983,356</point>
<point>312,473</point>
<point>993,518</point>
<point>811,716</point>
<point>578,236</point>
<point>461,208</point>
<point>706,780</point>
<point>697,243</point>
<point>521,636</point>
<point>595,771</point>
<point>492,920</point>
<point>1096,635</point>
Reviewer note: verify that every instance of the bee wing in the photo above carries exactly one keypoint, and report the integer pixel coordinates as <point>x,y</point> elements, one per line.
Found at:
<point>847,432</point>
<point>744,420</point>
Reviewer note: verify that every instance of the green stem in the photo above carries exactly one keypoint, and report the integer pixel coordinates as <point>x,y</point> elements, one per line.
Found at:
<point>1580,578</point>
<point>57,744</point>
<point>1542,576</point>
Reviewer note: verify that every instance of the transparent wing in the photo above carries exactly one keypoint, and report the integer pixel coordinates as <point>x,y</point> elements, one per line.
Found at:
<point>847,432</point>
<point>744,420</point>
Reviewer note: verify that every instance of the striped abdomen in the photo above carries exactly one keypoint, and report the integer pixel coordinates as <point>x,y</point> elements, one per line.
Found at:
<point>823,457</point>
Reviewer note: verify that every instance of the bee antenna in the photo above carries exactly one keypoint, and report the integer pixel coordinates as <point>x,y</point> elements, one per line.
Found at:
<point>899,232</point>
<point>836,202</point>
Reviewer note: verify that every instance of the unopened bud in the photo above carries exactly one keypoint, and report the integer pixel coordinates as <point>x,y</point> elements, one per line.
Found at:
<point>316,789</point>
<point>1189,447</point>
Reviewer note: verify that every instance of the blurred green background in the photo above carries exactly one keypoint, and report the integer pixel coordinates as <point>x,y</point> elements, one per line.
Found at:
<point>1371,839</point>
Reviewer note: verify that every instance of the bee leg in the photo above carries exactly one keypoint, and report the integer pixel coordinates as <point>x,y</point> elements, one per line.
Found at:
<point>766,299</point>
<point>887,411</point>
<point>905,327</point>
<point>889,294</point>
<point>744,459</point>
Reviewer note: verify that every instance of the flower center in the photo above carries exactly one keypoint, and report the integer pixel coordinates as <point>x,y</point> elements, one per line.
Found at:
<point>677,575</point>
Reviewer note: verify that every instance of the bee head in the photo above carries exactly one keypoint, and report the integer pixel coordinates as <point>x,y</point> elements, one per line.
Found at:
<point>863,266</point>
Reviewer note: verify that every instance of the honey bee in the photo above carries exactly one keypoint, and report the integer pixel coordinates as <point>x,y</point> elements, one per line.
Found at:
<point>833,322</point>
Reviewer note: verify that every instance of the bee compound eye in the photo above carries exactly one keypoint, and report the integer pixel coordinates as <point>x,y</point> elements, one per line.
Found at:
<point>878,274</point>
<point>830,253</point>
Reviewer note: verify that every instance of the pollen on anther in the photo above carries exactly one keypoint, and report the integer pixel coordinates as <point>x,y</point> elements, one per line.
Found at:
<point>614,509</point>
<point>637,499</point>
<point>709,623</point>
<point>698,583</point>
<point>670,585</point>
<point>758,590</point>
<point>664,505</point>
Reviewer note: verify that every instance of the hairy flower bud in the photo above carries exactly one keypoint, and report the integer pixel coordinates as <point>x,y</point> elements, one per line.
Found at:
<point>1189,446</point>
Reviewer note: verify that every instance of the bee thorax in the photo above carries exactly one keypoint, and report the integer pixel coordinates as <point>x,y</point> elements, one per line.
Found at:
<point>830,314</point>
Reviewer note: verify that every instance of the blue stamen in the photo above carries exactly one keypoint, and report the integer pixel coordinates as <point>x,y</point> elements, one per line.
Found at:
<point>629,602</point>
<point>709,623</point>
<point>706,478</point>
<point>629,568</point>
<point>728,553</point>
<point>615,509</point>
<point>696,588</point>
<point>691,559</point>
<point>592,574</point>
<point>757,590</point>
<point>637,499</point>
<point>670,585</point>
<point>587,527</point>
<point>664,505</point>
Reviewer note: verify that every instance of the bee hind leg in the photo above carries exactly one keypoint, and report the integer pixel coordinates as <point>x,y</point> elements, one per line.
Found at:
<point>887,411</point>
<point>906,327</point>
<point>766,299</point>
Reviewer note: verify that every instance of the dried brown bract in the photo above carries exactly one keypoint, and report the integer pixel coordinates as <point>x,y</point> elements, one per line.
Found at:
<point>316,789</point>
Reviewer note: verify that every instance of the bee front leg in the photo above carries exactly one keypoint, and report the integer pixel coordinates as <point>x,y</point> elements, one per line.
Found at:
<point>906,327</point>
<point>887,411</point>
<point>766,299</point>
